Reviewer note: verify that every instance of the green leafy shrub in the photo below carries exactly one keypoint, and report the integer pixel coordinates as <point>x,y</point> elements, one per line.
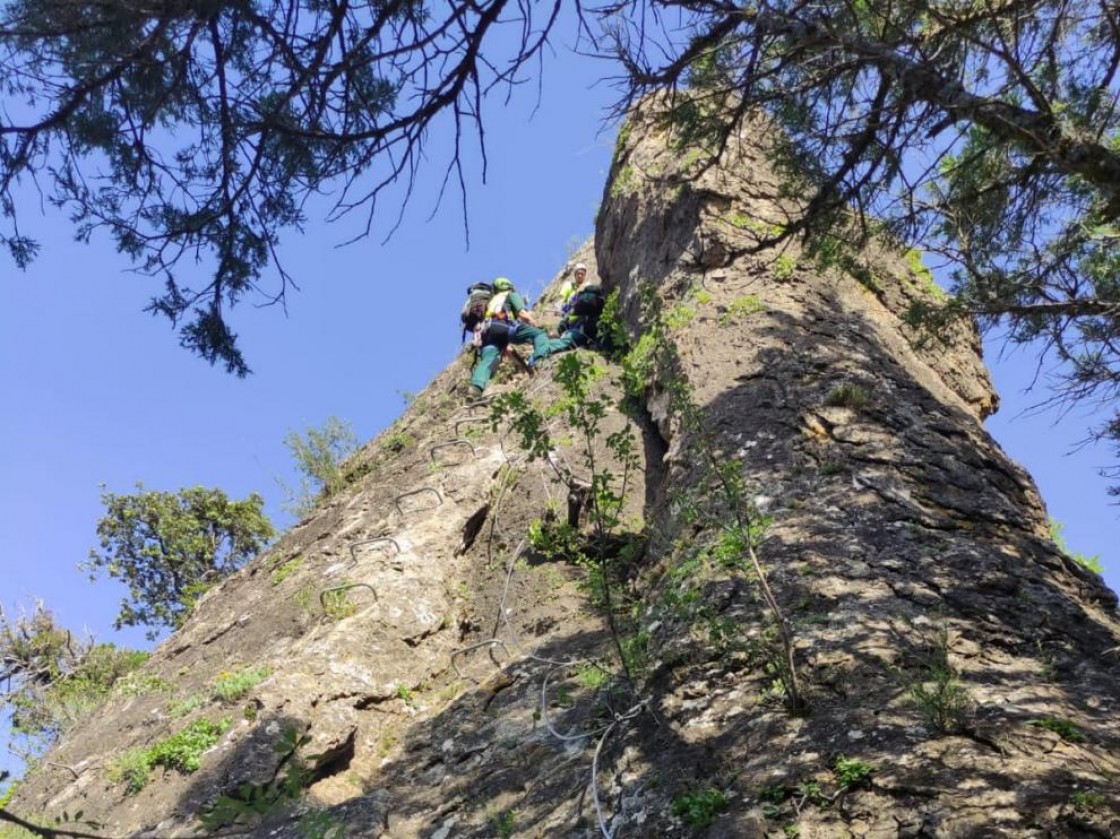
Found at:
<point>1092,563</point>
<point>318,454</point>
<point>741,307</point>
<point>1086,801</point>
<point>923,276</point>
<point>679,316</point>
<point>1063,728</point>
<point>851,772</point>
<point>338,605</point>
<point>847,395</point>
<point>592,676</point>
<point>398,441</point>
<point>613,337</point>
<point>70,686</point>
<point>555,539</point>
<point>133,768</point>
<point>639,364</point>
<point>286,570</point>
<point>699,807</point>
<point>230,687</point>
<point>186,705</point>
<point>252,800</point>
<point>182,752</point>
<point>503,823</point>
<point>141,684</point>
<point>625,182</point>
<point>635,653</point>
<point>784,266</point>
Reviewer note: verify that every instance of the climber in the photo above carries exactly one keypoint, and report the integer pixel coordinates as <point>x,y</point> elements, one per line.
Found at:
<point>579,276</point>
<point>508,321</point>
<point>581,306</point>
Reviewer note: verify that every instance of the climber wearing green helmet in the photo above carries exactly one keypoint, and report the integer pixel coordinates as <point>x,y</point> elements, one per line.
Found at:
<point>508,321</point>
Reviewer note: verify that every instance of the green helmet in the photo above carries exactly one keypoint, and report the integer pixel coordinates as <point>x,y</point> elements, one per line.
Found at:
<point>503,284</point>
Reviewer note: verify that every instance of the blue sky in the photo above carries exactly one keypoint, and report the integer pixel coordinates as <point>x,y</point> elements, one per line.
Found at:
<point>99,393</point>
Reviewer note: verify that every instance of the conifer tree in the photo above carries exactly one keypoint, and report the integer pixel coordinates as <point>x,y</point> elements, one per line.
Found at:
<point>985,134</point>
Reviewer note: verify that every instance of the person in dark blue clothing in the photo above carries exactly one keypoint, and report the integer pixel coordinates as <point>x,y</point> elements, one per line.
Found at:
<point>581,305</point>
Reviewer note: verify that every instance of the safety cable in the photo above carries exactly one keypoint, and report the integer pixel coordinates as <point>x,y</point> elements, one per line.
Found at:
<point>563,470</point>
<point>619,718</point>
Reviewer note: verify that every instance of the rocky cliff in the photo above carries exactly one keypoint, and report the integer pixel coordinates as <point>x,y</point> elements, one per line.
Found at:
<point>417,659</point>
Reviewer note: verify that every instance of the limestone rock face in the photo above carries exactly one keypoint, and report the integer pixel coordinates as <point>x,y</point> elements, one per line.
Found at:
<point>442,677</point>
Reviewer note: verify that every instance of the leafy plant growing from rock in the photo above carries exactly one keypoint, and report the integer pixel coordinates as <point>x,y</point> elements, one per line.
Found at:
<point>654,358</point>
<point>851,772</point>
<point>1092,563</point>
<point>181,751</point>
<point>229,687</point>
<point>252,801</point>
<point>741,307</point>
<point>699,808</point>
<point>503,823</point>
<point>847,395</point>
<point>54,679</point>
<point>337,604</point>
<point>286,570</point>
<point>318,454</point>
<point>603,490</point>
<point>938,692</point>
<point>1063,728</point>
<point>186,705</point>
<point>1086,801</point>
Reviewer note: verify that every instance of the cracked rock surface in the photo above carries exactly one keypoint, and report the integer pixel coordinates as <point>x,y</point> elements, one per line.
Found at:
<point>441,671</point>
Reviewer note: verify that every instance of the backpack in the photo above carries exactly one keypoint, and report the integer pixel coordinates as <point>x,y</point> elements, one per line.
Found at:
<point>587,303</point>
<point>474,309</point>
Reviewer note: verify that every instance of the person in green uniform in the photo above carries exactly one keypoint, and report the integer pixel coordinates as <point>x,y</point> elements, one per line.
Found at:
<point>508,321</point>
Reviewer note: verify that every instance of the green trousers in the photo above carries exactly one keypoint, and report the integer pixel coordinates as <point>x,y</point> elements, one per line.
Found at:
<point>573,337</point>
<point>491,354</point>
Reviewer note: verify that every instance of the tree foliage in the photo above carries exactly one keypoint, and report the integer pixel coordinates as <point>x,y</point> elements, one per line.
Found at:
<point>34,649</point>
<point>168,547</point>
<point>318,454</point>
<point>53,678</point>
<point>199,128</point>
<point>986,133</point>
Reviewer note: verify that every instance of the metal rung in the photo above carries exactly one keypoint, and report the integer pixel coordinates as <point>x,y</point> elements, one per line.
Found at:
<point>459,422</point>
<point>354,547</point>
<point>417,492</point>
<point>346,587</point>
<point>432,451</point>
